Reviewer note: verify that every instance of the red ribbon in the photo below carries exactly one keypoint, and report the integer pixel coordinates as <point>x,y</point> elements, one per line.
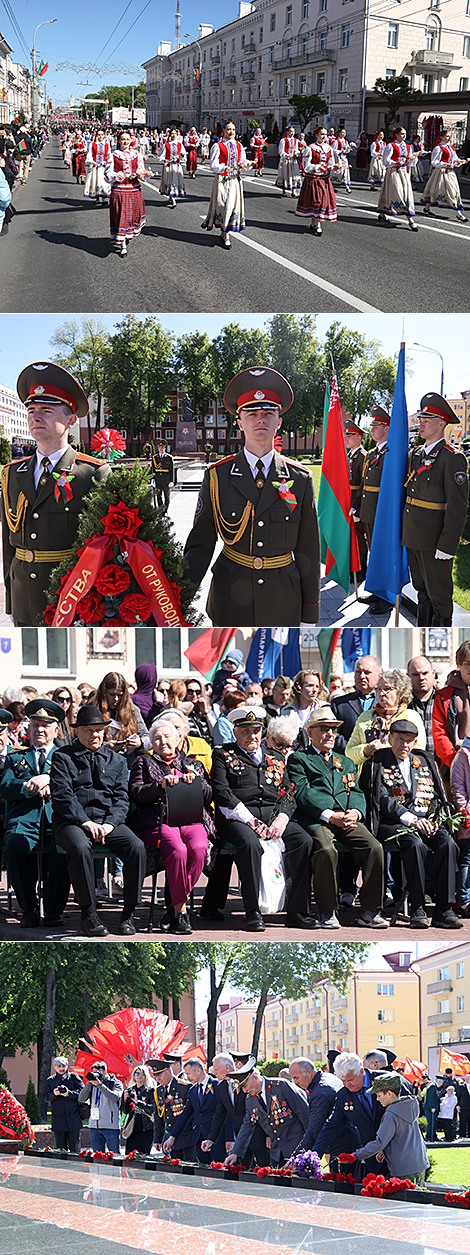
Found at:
<point>146,567</point>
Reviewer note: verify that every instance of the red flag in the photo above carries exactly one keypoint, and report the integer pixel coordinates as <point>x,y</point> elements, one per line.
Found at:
<point>195,1052</point>
<point>414,1070</point>
<point>334,500</point>
<point>459,1063</point>
<point>209,649</point>
<point>43,69</point>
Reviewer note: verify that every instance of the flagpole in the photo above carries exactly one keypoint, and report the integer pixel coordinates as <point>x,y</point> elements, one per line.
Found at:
<point>397,609</point>
<point>355,585</point>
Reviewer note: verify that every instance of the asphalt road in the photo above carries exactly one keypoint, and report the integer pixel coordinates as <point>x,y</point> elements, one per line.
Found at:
<point>57,255</point>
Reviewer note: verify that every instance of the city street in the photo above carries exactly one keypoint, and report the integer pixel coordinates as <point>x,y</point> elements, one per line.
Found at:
<point>57,254</point>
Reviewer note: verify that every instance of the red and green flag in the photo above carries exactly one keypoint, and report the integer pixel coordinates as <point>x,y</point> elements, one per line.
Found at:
<point>334,499</point>
<point>326,407</point>
<point>208,651</point>
<point>196,76</point>
<point>327,641</point>
<point>42,68</point>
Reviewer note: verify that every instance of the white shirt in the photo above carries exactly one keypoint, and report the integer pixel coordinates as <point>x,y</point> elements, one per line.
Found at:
<point>426,448</point>
<point>252,459</point>
<point>240,811</point>
<point>53,459</point>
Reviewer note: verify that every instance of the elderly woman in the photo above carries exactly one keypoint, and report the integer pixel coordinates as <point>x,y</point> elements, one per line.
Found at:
<point>393,695</point>
<point>281,733</point>
<point>193,746</point>
<point>183,849</point>
<point>140,1090</point>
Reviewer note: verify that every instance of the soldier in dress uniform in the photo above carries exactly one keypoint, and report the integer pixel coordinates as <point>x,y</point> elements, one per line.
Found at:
<point>435,512</point>
<point>366,499</point>
<point>262,505</point>
<point>170,1099</point>
<point>42,495</point>
<point>279,1107</point>
<point>356,458</point>
<point>163,473</point>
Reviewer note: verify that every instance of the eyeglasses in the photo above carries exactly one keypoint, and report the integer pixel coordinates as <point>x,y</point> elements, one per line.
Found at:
<point>279,745</point>
<point>195,692</point>
<point>65,699</point>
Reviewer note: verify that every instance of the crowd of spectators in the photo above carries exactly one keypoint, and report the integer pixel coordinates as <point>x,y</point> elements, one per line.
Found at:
<point>352,796</point>
<point>20,145</point>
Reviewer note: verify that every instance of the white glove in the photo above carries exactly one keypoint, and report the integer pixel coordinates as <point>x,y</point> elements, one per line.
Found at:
<point>171,484</point>
<point>446,557</point>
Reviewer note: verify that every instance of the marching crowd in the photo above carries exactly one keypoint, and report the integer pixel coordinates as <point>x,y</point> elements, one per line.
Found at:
<point>362,793</point>
<point>20,146</point>
<point>359,1111</point>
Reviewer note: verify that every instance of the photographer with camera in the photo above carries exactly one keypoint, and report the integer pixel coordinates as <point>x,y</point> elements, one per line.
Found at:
<point>61,1093</point>
<point>104,1092</point>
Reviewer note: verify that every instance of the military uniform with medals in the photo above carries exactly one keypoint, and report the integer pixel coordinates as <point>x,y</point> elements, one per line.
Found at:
<point>356,459</point>
<point>269,568</point>
<point>39,524</point>
<point>164,474</point>
<point>170,1101</point>
<point>283,1114</point>
<point>434,518</point>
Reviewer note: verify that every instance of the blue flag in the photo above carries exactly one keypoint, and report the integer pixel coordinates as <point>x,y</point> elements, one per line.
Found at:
<point>387,571</point>
<point>274,651</point>
<point>355,643</point>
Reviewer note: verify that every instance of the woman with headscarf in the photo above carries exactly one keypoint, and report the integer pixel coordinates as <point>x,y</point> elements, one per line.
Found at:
<point>146,678</point>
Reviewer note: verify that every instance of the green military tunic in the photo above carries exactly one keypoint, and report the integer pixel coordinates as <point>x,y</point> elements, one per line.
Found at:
<point>434,518</point>
<point>368,495</point>
<point>269,569</point>
<point>38,529</point>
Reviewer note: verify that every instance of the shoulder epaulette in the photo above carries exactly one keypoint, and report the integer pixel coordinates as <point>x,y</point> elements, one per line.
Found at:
<point>85,457</point>
<point>221,461</point>
<point>302,467</point>
<point>15,461</point>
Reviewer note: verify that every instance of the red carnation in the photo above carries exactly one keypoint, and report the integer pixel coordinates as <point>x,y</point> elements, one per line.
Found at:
<point>122,521</point>
<point>49,613</point>
<point>112,579</point>
<point>91,608</point>
<point>135,607</point>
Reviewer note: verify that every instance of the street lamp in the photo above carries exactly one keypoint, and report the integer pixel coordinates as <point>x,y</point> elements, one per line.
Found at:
<point>199,96</point>
<point>34,111</point>
<point>427,349</point>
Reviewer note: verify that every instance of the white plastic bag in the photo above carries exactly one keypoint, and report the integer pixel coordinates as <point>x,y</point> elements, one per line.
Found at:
<point>272,886</point>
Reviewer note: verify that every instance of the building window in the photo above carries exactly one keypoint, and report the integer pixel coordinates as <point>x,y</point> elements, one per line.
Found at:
<point>322,7</point>
<point>386,991</point>
<point>287,87</point>
<point>232,95</point>
<point>289,50</point>
<point>443,1006</point>
<point>242,67</point>
<point>243,41</point>
<point>223,98</point>
<point>392,40</point>
<point>304,45</point>
<point>253,66</point>
<point>431,39</point>
<point>303,85</point>
<point>289,15</point>
<point>345,36</point>
<point>390,73</point>
<point>443,1038</point>
<point>272,24</point>
<point>322,41</point>
<point>320,83</point>
<point>343,81</point>
<point>460,970</point>
<point>233,45</point>
<point>461,1003</point>
<point>388,1040</point>
<point>240,97</point>
<point>466,46</point>
<point>225,49</point>
<point>404,959</point>
<point>41,651</point>
<point>463,84</point>
<point>443,973</point>
<point>271,87</point>
<point>260,35</point>
<point>260,64</point>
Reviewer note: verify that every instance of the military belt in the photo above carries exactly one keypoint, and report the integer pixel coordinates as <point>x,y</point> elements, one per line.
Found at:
<point>43,555</point>
<point>370,488</point>
<point>426,505</point>
<point>258,564</point>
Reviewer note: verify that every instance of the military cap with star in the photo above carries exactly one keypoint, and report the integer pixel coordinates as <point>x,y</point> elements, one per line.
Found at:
<point>435,406</point>
<point>44,381</point>
<point>379,415</point>
<point>172,1058</point>
<point>238,1058</point>
<point>242,1074</point>
<point>46,711</point>
<point>247,717</point>
<point>157,1066</point>
<point>258,388</point>
<point>5,717</point>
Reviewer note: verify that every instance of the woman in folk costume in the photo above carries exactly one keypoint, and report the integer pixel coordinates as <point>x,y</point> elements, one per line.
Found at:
<point>317,199</point>
<point>258,143</point>
<point>362,149</point>
<point>171,157</point>
<point>340,151</point>
<point>301,146</point>
<point>417,172</point>
<point>96,185</point>
<point>125,171</point>
<point>205,144</point>
<point>442,187</point>
<point>376,168</point>
<point>396,195</point>
<point>67,150</point>
<point>78,157</point>
<point>191,143</point>
<point>287,175</point>
<point>226,208</point>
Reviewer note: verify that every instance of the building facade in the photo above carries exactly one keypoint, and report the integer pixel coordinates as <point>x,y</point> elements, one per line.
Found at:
<point>13,417</point>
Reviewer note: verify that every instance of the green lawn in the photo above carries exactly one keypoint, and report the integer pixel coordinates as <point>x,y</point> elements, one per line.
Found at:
<point>452,1167</point>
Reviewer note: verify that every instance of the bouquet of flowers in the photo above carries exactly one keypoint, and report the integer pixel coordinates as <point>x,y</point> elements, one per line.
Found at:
<point>306,1164</point>
<point>14,1123</point>
<point>108,444</point>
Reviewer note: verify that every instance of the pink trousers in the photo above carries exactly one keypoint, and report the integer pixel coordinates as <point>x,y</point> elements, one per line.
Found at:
<point>183,852</point>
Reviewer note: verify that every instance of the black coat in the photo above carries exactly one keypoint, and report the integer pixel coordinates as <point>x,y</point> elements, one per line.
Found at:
<point>321,1095</point>
<point>65,1116</point>
<point>88,784</point>
<point>384,810</point>
<point>347,707</point>
<point>236,778</point>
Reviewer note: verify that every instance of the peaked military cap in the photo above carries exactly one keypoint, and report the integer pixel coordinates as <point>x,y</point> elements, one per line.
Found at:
<point>435,406</point>
<point>44,381</point>
<point>5,717</point>
<point>352,428</point>
<point>247,717</point>
<point>241,1075</point>
<point>157,1066</point>
<point>258,387</point>
<point>49,712</point>
<point>380,415</point>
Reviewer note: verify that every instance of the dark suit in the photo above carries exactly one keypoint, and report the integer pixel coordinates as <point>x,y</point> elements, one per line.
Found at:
<point>353,1114</point>
<point>172,1098</point>
<point>275,558</point>
<point>38,530</point>
<point>231,1101</point>
<point>65,1116</point>
<point>321,1098</point>
<point>285,1119</point>
<point>463,1099</point>
<point>332,786</point>
<point>25,812</point>
<point>198,1114</point>
<point>347,707</point>
<point>434,518</point>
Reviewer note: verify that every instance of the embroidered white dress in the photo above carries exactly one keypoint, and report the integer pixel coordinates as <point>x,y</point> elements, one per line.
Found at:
<point>226,207</point>
<point>442,187</point>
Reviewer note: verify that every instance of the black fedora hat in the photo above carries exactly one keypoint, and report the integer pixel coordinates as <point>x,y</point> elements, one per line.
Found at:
<point>89,716</point>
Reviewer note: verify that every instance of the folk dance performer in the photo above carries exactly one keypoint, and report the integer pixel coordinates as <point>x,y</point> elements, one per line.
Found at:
<point>171,156</point>
<point>417,172</point>
<point>226,207</point>
<point>362,149</point>
<point>78,157</point>
<point>258,143</point>
<point>317,199</point>
<point>396,195</point>
<point>287,177</point>
<point>340,150</point>
<point>125,170</point>
<point>442,187</point>
<point>191,143</point>
<point>376,168</point>
<point>301,146</point>
<point>96,186</point>
<point>205,144</point>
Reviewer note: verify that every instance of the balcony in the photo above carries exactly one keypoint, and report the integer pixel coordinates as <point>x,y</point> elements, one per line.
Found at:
<point>313,1034</point>
<point>439,987</point>
<point>230,78</point>
<point>444,1018</point>
<point>338,1004</point>
<point>215,81</point>
<point>251,47</point>
<point>425,57</point>
<point>292,1017</point>
<point>215,60</point>
<point>272,1023</point>
<point>248,76</point>
<point>306,58</point>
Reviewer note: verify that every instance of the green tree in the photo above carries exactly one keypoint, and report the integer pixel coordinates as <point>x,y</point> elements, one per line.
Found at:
<point>294,350</point>
<point>118,97</point>
<point>81,349</point>
<point>308,108</point>
<point>135,382</point>
<point>395,92</point>
<point>31,1104</point>
<point>193,363</point>
<point>365,376</point>
<point>219,958</point>
<point>5,451</point>
<point>236,349</point>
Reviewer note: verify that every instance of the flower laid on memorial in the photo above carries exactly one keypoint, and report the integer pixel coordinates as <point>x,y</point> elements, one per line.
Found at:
<point>14,1122</point>
<point>125,567</point>
<point>462,1199</point>
<point>376,1186</point>
<point>306,1164</point>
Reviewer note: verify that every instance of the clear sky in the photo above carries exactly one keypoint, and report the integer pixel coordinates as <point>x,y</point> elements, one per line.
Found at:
<point>26,337</point>
<point>86,34</point>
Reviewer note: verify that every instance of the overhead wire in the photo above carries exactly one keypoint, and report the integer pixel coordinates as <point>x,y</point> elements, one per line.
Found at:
<point>16,27</point>
<point>113,31</point>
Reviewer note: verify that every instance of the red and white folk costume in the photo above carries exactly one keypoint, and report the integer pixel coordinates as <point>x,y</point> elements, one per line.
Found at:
<point>362,149</point>
<point>317,199</point>
<point>396,194</point>
<point>287,174</point>
<point>341,172</point>
<point>171,156</point>
<point>78,158</point>
<point>205,144</point>
<point>442,187</point>
<point>226,207</point>
<point>96,184</point>
<point>417,171</point>
<point>257,144</point>
<point>124,171</point>
<point>376,168</point>
<point>191,143</point>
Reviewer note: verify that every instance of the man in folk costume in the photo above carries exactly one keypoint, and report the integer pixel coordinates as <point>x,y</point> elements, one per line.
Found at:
<point>171,157</point>
<point>435,511</point>
<point>42,495</point>
<point>287,175</point>
<point>96,186</point>
<point>125,170</point>
<point>263,507</point>
<point>367,496</point>
<point>376,168</point>
<point>191,143</point>
<point>226,207</point>
<point>403,788</point>
<point>442,187</point>
<point>356,458</point>
<point>396,193</point>
<point>258,143</point>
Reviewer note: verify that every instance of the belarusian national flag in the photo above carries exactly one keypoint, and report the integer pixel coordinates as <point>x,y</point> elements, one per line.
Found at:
<point>326,407</point>
<point>334,500</point>
<point>207,652</point>
<point>459,1063</point>
<point>43,68</point>
<point>327,642</point>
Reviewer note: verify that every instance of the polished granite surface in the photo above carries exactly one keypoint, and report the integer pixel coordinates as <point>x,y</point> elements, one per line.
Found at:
<point>104,1207</point>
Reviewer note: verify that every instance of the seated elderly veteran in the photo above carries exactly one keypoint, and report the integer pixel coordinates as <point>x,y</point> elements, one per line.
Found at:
<point>274,1105</point>
<point>393,696</point>
<point>320,1091</point>
<point>356,1114</point>
<point>330,804</point>
<point>404,790</point>
<point>90,802</point>
<point>183,849</point>
<point>6,718</point>
<point>26,791</point>
<point>254,803</point>
<point>197,1114</point>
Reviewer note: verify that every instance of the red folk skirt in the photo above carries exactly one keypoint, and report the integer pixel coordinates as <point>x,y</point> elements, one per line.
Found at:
<point>126,211</point>
<point>78,164</point>
<point>191,160</point>
<point>317,198</point>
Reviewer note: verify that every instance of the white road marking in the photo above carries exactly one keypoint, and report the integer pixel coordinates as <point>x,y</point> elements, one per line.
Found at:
<point>372,209</point>
<point>347,297</point>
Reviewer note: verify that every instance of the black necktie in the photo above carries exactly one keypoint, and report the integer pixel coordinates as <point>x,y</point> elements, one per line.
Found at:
<point>44,476</point>
<point>41,762</point>
<point>260,476</point>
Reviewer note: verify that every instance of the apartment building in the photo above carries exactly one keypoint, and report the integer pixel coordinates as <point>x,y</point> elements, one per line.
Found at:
<point>444,998</point>
<point>13,417</point>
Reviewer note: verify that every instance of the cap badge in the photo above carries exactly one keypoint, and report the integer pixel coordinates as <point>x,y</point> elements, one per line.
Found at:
<point>256,372</point>
<point>259,396</point>
<point>39,388</point>
<point>40,366</point>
